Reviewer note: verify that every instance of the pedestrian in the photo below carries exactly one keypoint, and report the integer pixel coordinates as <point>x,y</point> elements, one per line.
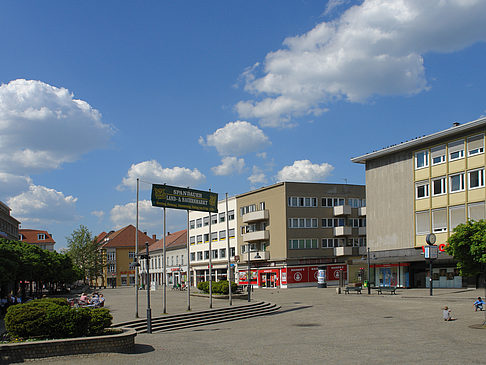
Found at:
<point>478,304</point>
<point>447,314</point>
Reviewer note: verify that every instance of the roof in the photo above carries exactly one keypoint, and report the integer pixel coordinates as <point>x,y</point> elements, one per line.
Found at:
<point>172,241</point>
<point>31,236</point>
<point>421,140</point>
<point>125,237</point>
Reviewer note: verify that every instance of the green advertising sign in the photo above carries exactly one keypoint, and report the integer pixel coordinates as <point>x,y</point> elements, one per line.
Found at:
<point>184,198</point>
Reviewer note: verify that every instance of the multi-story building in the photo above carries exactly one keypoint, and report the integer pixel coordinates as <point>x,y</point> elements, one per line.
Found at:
<point>176,264</point>
<point>426,185</point>
<point>289,229</point>
<point>39,238</point>
<point>119,248</point>
<point>9,226</point>
<point>223,227</point>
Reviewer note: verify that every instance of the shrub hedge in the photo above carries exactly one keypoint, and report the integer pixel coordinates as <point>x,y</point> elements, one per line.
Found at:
<point>54,318</point>
<point>219,287</point>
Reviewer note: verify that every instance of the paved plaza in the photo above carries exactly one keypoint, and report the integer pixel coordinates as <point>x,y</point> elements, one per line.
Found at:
<point>314,326</point>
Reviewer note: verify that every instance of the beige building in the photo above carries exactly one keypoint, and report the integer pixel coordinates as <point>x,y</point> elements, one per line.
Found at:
<point>426,185</point>
<point>9,226</point>
<point>289,229</point>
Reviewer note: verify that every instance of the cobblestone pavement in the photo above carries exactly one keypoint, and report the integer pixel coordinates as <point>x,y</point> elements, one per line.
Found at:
<point>314,326</point>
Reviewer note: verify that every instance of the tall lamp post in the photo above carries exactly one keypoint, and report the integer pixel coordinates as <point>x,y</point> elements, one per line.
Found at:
<point>369,272</point>
<point>257,256</point>
<point>136,264</point>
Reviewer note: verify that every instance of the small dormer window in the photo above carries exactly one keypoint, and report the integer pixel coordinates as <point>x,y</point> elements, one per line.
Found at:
<point>41,236</point>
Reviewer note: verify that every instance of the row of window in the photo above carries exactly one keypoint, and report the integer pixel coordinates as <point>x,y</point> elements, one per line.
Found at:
<point>215,254</point>
<point>294,201</point>
<point>214,236</point>
<point>326,222</point>
<point>438,219</point>
<point>309,243</point>
<point>156,261</point>
<point>454,151</point>
<point>252,208</point>
<point>457,182</point>
<point>254,227</point>
<point>200,222</point>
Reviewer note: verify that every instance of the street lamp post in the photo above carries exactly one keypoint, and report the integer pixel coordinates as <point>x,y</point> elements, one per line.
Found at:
<point>257,256</point>
<point>149,310</point>
<point>369,272</point>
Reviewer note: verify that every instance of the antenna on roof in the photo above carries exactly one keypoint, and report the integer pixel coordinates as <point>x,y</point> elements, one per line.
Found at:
<point>345,180</point>
<point>456,124</point>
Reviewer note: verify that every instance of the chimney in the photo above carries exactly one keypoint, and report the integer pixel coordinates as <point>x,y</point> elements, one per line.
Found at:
<point>154,237</point>
<point>456,124</point>
<point>145,233</point>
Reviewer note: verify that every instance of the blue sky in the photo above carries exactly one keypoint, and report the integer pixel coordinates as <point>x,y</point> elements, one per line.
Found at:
<point>219,95</point>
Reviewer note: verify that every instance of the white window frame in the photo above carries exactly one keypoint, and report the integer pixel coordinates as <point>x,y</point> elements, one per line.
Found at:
<point>424,158</point>
<point>420,184</point>
<point>417,214</point>
<point>480,178</point>
<point>442,158</point>
<point>462,182</point>
<point>442,228</point>
<point>475,151</point>
<point>460,152</point>
<point>443,185</point>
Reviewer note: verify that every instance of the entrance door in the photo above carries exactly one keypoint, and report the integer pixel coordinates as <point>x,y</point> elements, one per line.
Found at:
<point>268,280</point>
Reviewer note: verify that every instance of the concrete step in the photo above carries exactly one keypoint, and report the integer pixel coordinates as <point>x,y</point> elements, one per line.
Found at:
<point>202,318</point>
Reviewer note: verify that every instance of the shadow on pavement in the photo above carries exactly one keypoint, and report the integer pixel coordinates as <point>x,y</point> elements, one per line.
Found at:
<point>291,309</point>
<point>142,349</point>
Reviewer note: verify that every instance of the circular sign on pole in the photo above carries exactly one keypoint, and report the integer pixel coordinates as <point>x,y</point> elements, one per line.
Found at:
<point>431,239</point>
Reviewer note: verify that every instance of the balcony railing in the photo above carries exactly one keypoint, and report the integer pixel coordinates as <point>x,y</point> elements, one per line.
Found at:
<point>362,231</point>
<point>342,231</point>
<point>343,251</point>
<point>263,255</point>
<point>362,211</point>
<point>256,236</point>
<point>342,210</point>
<point>255,216</point>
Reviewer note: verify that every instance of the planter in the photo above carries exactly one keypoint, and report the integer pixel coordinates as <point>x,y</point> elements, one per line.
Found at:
<point>17,352</point>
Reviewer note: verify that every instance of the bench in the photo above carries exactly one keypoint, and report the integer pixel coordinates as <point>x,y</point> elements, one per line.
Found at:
<point>349,289</point>
<point>381,289</point>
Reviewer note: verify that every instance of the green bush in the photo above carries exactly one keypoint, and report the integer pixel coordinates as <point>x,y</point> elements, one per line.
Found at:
<point>48,318</point>
<point>218,287</point>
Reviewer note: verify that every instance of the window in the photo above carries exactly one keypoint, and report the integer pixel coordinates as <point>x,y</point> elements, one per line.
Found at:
<point>199,223</point>
<point>206,221</point>
<point>355,202</point>
<point>475,145</point>
<point>327,223</point>
<point>476,211</point>
<point>302,202</point>
<point>172,261</point>
<point>111,256</point>
<point>439,186</point>
<point>214,236</point>
<point>193,256</point>
<point>41,236</point>
<point>222,235</point>
<point>456,150</point>
<point>421,159</point>
<point>182,259</point>
<point>456,182</point>
<point>214,254</point>
<point>192,240</point>
<point>221,217</point>
<point>422,223</point>
<point>302,222</point>
<point>192,224</point>
<point>177,260</point>
<point>214,218</point>
<point>232,252</point>
<point>231,215</point>
<point>231,233</point>
<point>457,215</point>
<point>222,253</point>
<point>329,242</point>
<point>476,179</point>
<point>131,254</point>
<point>206,237</point>
<point>332,202</point>
<point>362,241</point>
<point>199,255</point>
<point>422,189</point>
<point>439,220</point>
<point>307,243</point>
<point>247,209</point>
<point>438,154</point>
<point>206,255</point>
<point>199,238</point>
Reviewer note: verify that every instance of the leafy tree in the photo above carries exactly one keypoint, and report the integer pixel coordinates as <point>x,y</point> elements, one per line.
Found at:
<point>86,253</point>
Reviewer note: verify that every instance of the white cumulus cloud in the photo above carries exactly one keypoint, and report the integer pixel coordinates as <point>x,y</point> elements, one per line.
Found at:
<point>236,139</point>
<point>153,172</point>
<point>150,219</point>
<point>375,48</point>
<point>11,184</point>
<point>305,171</point>
<point>43,205</point>
<point>257,176</point>
<point>98,213</point>
<point>42,126</point>
<point>229,165</point>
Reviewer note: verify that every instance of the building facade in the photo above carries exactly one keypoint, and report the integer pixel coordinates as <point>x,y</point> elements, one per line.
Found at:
<point>119,250</point>
<point>176,264</point>
<point>220,228</point>
<point>9,226</point>
<point>41,239</point>
<point>287,230</point>
<point>426,185</point>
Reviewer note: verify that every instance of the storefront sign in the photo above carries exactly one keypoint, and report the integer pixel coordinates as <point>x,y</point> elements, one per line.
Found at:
<point>184,198</point>
<point>333,272</point>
